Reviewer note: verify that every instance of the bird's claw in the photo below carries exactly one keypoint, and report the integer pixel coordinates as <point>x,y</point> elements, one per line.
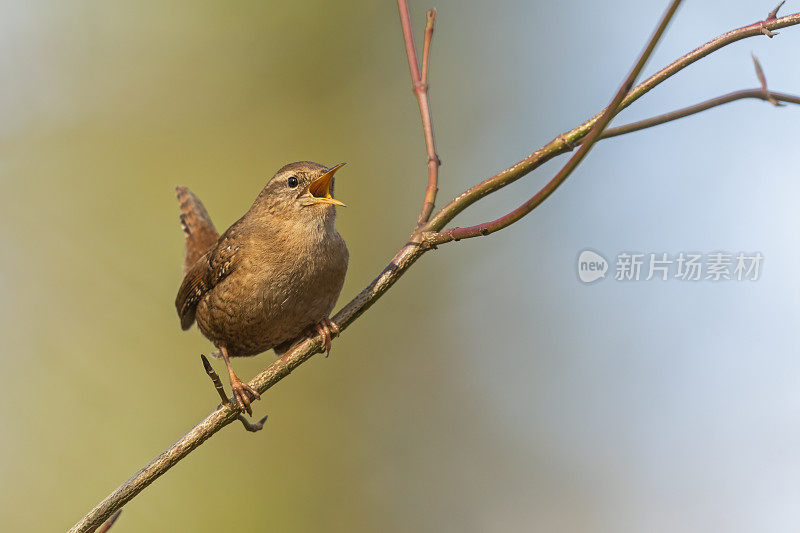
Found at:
<point>242,392</point>
<point>327,329</point>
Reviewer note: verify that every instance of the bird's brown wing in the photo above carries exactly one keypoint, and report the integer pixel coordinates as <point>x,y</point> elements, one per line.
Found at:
<point>201,235</point>
<point>205,274</point>
<point>191,292</point>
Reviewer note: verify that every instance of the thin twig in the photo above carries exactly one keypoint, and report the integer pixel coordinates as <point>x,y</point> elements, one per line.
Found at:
<point>420,88</point>
<point>697,108</point>
<point>565,142</point>
<point>762,79</point>
<point>764,93</point>
<point>488,228</point>
<point>402,261</point>
<point>249,426</point>
<point>426,47</point>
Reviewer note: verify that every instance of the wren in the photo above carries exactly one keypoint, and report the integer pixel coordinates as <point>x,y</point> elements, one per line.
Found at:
<point>273,276</point>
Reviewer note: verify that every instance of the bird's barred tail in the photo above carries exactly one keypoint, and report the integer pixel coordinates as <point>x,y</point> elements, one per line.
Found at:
<point>200,232</point>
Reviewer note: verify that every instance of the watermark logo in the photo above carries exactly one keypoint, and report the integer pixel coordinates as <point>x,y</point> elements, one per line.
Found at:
<point>591,266</point>
<point>683,266</point>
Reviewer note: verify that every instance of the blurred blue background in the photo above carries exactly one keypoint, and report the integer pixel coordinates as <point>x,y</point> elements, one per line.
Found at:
<point>489,390</point>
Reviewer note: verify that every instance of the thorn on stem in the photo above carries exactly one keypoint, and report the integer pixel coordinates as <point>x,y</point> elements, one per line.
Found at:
<point>766,31</point>
<point>774,13</point>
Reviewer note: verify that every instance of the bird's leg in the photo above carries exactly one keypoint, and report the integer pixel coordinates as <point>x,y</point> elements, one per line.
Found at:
<point>241,390</point>
<point>327,329</point>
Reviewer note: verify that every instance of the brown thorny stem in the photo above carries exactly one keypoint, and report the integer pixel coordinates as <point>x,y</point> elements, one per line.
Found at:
<point>430,233</point>
<point>420,87</point>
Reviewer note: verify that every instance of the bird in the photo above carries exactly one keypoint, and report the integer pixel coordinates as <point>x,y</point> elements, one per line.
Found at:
<point>272,277</point>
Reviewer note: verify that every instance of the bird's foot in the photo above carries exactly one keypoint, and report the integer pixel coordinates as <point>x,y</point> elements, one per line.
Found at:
<point>243,392</point>
<point>327,329</point>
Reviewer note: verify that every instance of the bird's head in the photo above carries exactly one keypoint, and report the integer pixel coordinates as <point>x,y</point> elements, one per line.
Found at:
<point>301,191</point>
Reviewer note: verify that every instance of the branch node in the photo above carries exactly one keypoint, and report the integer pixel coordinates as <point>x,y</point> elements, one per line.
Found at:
<point>424,239</point>
<point>436,160</point>
<point>569,146</point>
<point>769,33</point>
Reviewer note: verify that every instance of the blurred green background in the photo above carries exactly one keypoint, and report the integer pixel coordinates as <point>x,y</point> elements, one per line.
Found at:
<point>487,391</point>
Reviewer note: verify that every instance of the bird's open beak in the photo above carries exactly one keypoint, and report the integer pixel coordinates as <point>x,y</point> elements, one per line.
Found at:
<point>320,188</point>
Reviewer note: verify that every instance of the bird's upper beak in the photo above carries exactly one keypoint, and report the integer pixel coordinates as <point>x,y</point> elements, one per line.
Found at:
<point>320,188</point>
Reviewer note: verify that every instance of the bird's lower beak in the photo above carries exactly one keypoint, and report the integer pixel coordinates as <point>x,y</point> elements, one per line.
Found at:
<point>320,188</point>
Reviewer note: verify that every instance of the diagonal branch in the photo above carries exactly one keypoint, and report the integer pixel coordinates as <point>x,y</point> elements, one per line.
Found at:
<point>565,142</point>
<point>420,87</point>
<point>228,412</point>
<point>488,228</point>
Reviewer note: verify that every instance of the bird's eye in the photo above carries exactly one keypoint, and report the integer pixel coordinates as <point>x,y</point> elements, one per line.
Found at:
<point>293,182</point>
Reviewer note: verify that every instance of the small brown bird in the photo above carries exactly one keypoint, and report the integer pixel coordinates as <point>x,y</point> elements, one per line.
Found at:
<point>274,275</point>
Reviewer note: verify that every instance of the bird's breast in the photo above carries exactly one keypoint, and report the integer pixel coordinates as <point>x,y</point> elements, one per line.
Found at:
<point>273,295</point>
